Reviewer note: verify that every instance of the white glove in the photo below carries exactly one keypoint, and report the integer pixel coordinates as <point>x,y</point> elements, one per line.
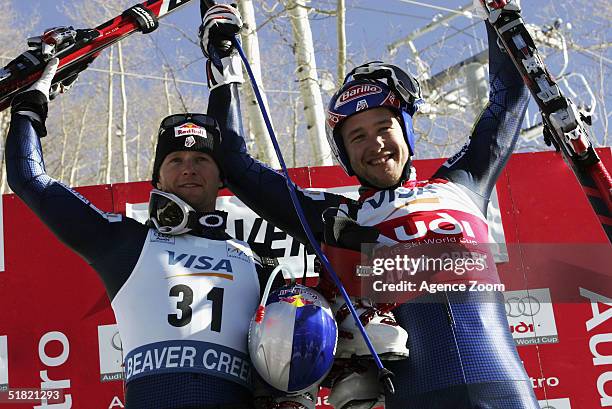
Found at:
<point>219,27</point>
<point>478,10</point>
<point>30,102</point>
<point>44,82</point>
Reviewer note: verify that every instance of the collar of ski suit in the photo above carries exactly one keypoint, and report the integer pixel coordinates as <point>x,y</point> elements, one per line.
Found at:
<point>366,192</point>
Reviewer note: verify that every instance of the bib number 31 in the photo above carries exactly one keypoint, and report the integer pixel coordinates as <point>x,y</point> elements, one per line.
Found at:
<point>185,294</point>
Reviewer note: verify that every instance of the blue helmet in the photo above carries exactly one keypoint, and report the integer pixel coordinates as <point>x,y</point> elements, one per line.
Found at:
<point>292,347</point>
<point>372,85</point>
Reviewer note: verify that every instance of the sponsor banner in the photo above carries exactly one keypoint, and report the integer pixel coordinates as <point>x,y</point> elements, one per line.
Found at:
<point>4,379</point>
<point>531,317</point>
<point>555,404</point>
<point>111,353</point>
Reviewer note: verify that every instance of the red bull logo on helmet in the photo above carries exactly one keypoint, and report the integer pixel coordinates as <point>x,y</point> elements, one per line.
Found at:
<point>296,300</point>
<point>356,92</point>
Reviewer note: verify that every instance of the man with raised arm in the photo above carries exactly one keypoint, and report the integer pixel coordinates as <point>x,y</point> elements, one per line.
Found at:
<point>461,352</point>
<point>172,282</point>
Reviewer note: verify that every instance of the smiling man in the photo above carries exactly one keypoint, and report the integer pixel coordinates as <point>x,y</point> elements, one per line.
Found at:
<point>375,146</point>
<point>171,281</point>
<point>462,354</point>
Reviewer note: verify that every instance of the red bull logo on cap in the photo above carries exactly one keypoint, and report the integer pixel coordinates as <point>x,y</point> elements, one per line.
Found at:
<point>356,92</point>
<point>189,129</point>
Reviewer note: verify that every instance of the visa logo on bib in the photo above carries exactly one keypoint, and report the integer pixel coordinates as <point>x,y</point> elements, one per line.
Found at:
<point>197,262</point>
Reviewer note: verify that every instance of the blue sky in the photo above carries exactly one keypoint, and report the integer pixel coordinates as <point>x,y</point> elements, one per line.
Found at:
<point>371,26</point>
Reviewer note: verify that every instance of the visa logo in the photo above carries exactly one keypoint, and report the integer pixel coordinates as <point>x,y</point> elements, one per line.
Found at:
<point>389,196</point>
<point>199,262</point>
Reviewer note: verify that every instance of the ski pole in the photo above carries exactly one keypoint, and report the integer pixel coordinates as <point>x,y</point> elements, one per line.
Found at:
<point>384,375</point>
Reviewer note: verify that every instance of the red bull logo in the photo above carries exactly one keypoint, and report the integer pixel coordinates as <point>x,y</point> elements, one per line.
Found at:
<point>297,300</point>
<point>189,129</point>
<point>356,92</point>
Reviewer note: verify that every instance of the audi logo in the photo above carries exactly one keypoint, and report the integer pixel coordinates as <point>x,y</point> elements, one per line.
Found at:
<point>527,306</point>
<point>116,342</point>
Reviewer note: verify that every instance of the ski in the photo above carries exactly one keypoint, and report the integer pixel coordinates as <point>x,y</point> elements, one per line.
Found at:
<point>564,126</point>
<point>84,46</point>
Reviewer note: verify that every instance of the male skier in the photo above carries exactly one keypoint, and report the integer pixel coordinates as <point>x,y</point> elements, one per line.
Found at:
<point>171,282</point>
<point>462,354</point>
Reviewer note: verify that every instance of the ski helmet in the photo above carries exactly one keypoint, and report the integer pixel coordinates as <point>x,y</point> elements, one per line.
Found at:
<point>293,346</point>
<point>186,132</point>
<point>373,85</point>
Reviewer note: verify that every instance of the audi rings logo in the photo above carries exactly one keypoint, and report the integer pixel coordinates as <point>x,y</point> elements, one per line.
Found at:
<point>524,306</point>
<point>116,342</point>
<point>530,316</point>
<point>111,353</point>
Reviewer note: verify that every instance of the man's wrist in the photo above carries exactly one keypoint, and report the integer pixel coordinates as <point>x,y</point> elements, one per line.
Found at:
<point>32,104</point>
<point>231,72</point>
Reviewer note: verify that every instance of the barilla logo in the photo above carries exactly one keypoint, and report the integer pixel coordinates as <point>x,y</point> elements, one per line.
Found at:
<point>189,129</point>
<point>356,92</point>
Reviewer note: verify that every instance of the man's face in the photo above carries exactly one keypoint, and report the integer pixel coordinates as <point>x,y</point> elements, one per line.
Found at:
<point>192,176</point>
<point>375,145</point>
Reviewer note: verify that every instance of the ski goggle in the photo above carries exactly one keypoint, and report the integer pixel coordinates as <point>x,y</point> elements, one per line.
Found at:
<point>168,213</point>
<point>198,119</point>
<point>405,85</point>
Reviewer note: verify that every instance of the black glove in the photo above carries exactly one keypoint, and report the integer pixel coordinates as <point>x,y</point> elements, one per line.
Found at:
<point>344,232</point>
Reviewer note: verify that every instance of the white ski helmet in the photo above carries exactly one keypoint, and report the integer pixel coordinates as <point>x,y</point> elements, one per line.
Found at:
<point>292,340</point>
